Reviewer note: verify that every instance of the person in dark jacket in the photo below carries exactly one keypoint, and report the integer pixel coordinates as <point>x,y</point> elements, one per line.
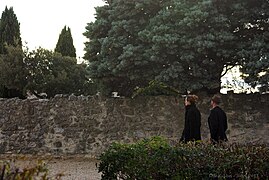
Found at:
<point>217,121</point>
<point>192,124</point>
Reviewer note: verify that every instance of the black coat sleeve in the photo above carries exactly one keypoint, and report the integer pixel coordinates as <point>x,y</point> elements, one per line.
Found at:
<point>193,124</point>
<point>187,128</point>
<point>225,122</point>
<point>222,126</point>
<point>213,125</point>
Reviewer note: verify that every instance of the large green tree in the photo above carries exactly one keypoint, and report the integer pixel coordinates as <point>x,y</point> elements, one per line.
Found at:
<point>9,30</point>
<point>10,39</point>
<point>191,43</point>
<point>254,32</point>
<point>13,73</point>
<point>42,71</point>
<point>115,50</point>
<point>187,44</point>
<point>52,73</point>
<point>65,44</point>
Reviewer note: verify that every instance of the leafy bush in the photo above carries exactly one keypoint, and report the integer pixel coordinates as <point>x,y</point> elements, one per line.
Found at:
<point>156,88</point>
<point>39,171</point>
<point>155,159</point>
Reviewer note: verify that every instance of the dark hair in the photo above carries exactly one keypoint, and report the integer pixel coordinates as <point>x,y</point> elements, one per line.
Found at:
<point>216,99</point>
<point>192,98</point>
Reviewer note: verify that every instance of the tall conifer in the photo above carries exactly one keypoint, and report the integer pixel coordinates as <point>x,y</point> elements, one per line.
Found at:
<point>9,30</point>
<point>12,68</point>
<point>65,44</point>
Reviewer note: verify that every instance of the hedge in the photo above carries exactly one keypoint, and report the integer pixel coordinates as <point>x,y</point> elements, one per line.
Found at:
<point>155,158</point>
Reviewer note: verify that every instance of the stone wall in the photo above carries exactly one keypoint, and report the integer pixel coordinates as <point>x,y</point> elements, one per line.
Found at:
<point>87,125</point>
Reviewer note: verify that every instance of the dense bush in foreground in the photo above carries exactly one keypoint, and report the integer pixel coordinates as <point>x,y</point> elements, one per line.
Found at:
<point>155,159</point>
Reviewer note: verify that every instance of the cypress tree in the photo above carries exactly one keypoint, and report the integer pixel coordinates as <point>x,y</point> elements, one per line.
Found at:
<point>9,30</point>
<point>65,44</point>
<point>12,68</point>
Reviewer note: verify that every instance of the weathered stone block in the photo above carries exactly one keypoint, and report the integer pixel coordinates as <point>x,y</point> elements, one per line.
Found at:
<point>72,125</point>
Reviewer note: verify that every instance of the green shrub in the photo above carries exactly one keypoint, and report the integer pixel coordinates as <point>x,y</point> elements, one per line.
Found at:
<point>9,172</point>
<point>155,159</point>
<point>156,88</point>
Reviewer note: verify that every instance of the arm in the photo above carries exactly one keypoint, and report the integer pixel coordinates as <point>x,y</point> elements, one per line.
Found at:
<point>223,126</point>
<point>225,122</point>
<point>187,128</point>
<point>213,125</point>
<point>192,124</point>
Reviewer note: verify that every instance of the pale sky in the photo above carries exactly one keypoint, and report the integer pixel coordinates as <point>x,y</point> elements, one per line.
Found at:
<point>41,21</point>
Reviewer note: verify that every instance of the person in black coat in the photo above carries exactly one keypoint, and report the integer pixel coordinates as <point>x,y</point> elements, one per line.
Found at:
<point>217,121</point>
<point>192,124</point>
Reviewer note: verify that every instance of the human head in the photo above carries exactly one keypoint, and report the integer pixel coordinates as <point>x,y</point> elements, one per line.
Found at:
<point>191,99</point>
<point>215,100</point>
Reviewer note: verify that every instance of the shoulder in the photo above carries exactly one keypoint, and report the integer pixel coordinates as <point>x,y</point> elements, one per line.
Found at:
<point>194,109</point>
<point>214,110</point>
<point>217,109</point>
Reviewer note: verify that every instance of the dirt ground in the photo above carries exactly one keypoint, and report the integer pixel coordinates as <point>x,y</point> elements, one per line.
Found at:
<point>72,168</point>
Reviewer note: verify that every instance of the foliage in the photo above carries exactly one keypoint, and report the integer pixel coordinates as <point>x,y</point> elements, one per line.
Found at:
<point>185,44</point>
<point>9,30</point>
<point>156,88</point>
<point>191,43</point>
<point>9,172</point>
<point>10,38</point>
<point>43,71</point>
<point>115,51</point>
<point>254,32</point>
<point>53,73</point>
<point>13,72</point>
<point>155,159</point>
<point>65,44</point>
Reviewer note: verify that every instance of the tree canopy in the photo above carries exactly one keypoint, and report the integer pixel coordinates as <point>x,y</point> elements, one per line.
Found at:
<point>254,34</point>
<point>40,70</point>
<point>187,44</point>
<point>115,50</point>
<point>10,38</point>
<point>13,72</point>
<point>52,73</point>
<point>65,44</point>
<point>43,71</point>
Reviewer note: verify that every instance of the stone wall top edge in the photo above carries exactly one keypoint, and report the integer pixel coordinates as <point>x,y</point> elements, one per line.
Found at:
<point>103,98</point>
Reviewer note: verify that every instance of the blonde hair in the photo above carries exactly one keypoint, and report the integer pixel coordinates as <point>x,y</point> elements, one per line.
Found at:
<point>192,98</point>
